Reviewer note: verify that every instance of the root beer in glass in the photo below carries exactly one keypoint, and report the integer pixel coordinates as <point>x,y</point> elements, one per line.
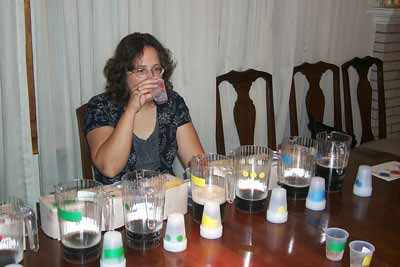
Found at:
<point>332,158</point>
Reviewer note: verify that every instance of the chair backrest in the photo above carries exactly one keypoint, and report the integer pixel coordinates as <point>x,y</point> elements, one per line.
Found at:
<point>244,111</point>
<point>87,170</point>
<point>315,99</point>
<point>364,96</point>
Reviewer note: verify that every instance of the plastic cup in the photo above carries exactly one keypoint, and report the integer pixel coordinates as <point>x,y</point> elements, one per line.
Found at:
<point>175,235</point>
<point>277,209</point>
<point>361,253</point>
<point>316,194</point>
<point>211,227</point>
<point>335,243</point>
<point>363,184</point>
<point>160,95</point>
<point>113,250</point>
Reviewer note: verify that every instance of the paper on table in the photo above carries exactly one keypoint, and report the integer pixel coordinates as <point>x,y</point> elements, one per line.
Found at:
<point>388,171</point>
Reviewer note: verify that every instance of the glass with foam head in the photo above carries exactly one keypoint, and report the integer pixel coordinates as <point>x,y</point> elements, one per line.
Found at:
<point>335,243</point>
<point>81,205</point>
<point>212,179</point>
<point>14,217</point>
<point>143,195</point>
<point>361,253</point>
<point>298,165</point>
<point>252,171</point>
<point>333,150</point>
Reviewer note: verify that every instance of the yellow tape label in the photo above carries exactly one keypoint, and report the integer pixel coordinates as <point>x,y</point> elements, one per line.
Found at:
<point>261,175</point>
<point>198,181</point>
<point>253,175</point>
<point>366,261</point>
<point>245,173</point>
<point>209,222</point>
<point>281,210</point>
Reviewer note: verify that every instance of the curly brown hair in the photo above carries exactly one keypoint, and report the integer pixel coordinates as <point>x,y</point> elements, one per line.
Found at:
<point>129,49</point>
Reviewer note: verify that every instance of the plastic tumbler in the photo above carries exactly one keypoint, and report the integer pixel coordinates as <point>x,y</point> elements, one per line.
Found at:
<point>211,227</point>
<point>335,243</point>
<point>113,250</point>
<point>160,95</point>
<point>363,184</point>
<point>316,194</point>
<point>361,253</point>
<point>175,235</point>
<point>277,209</point>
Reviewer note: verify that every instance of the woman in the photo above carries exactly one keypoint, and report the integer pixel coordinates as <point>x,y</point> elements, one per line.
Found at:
<point>125,128</point>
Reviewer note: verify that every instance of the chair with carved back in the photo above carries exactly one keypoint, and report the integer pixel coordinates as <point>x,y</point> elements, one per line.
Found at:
<point>87,170</point>
<point>244,111</point>
<point>315,99</point>
<point>364,96</point>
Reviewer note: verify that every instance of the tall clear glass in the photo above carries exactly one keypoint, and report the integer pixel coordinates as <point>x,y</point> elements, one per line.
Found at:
<point>14,216</point>
<point>298,165</point>
<point>81,204</point>
<point>143,194</point>
<point>332,157</point>
<point>252,169</point>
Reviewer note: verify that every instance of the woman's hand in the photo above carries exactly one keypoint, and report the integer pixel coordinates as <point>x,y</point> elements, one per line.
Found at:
<point>140,93</point>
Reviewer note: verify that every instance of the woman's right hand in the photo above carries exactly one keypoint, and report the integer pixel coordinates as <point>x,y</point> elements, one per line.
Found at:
<point>141,93</point>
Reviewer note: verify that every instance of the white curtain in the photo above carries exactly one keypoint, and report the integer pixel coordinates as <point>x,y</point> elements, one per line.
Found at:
<point>73,40</point>
<point>16,159</point>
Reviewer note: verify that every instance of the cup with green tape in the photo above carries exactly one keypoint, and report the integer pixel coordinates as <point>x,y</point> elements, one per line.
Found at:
<point>335,243</point>
<point>81,207</point>
<point>113,250</point>
<point>361,253</point>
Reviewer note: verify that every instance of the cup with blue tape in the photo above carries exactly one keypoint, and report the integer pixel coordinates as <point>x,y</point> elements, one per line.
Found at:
<point>363,183</point>
<point>316,194</point>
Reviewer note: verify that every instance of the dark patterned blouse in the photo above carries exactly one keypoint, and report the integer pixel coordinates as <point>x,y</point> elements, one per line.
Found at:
<point>102,111</point>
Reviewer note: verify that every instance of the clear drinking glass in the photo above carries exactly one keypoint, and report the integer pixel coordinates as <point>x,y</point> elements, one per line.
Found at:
<point>80,206</point>
<point>332,158</point>
<point>143,194</point>
<point>14,216</point>
<point>298,165</point>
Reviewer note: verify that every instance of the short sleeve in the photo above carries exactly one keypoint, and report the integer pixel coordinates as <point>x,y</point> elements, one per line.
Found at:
<point>99,113</point>
<point>182,115</point>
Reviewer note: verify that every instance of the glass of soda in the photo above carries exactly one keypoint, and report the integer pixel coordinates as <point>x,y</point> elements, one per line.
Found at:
<point>143,196</point>
<point>333,150</point>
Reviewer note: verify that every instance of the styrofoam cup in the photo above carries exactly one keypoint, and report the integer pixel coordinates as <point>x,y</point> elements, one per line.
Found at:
<point>175,234</point>
<point>335,243</point>
<point>211,227</point>
<point>277,209</point>
<point>316,194</point>
<point>363,183</point>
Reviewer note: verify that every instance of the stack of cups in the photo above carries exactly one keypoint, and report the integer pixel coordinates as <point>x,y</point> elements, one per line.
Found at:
<point>113,250</point>
<point>277,209</point>
<point>361,253</point>
<point>316,194</point>
<point>211,227</point>
<point>175,234</point>
<point>363,184</point>
<point>335,243</point>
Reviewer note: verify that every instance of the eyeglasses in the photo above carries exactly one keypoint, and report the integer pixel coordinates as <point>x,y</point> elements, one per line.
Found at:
<point>143,72</point>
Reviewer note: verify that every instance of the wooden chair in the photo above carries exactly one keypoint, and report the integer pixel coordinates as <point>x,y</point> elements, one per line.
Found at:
<point>364,96</point>
<point>87,170</point>
<point>244,111</point>
<point>315,99</point>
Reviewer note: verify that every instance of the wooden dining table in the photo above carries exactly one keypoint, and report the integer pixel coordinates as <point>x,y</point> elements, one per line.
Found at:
<point>250,240</point>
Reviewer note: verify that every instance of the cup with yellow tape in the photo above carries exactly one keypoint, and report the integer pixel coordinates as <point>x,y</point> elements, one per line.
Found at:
<point>361,253</point>
<point>211,227</point>
<point>277,209</point>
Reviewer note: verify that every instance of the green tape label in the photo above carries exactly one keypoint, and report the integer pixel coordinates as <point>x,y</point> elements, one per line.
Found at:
<point>114,253</point>
<point>71,216</point>
<point>337,247</point>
